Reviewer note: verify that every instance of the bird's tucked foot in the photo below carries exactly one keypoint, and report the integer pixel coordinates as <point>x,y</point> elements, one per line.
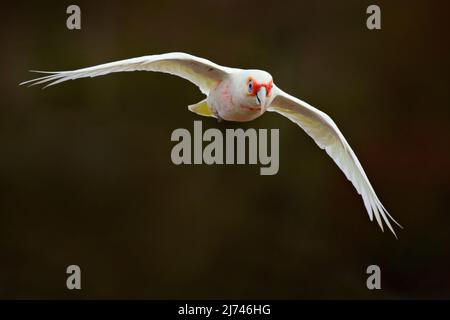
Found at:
<point>216,115</point>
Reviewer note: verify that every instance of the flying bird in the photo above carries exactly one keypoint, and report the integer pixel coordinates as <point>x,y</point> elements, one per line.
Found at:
<point>234,94</point>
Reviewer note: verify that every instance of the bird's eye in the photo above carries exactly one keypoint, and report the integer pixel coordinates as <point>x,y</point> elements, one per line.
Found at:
<point>250,86</point>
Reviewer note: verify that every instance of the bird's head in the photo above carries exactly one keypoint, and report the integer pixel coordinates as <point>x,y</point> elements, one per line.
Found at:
<point>255,87</point>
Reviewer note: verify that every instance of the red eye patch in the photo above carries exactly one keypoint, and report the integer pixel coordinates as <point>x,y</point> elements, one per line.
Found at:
<point>257,86</point>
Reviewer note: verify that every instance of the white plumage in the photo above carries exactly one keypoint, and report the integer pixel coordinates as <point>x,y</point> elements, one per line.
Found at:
<point>243,95</point>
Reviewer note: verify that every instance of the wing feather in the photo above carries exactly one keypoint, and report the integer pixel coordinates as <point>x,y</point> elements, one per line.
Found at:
<point>203,73</point>
<point>322,129</point>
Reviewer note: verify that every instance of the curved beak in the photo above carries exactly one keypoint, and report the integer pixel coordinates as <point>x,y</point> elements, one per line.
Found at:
<point>261,96</point>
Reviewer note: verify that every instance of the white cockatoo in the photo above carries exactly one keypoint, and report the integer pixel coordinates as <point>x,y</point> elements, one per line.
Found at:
<point>242,95</point>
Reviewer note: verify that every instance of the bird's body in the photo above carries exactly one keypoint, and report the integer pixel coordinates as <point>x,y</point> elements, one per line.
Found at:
<point>226,100</point>
<point>243,95</point>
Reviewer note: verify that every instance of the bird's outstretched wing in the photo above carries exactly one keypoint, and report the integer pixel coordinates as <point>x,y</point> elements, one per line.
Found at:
<point>326,134</point>
<point>203,73</point>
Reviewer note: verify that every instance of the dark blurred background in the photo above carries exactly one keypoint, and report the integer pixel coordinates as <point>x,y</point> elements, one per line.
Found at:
<point>86,176</point>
